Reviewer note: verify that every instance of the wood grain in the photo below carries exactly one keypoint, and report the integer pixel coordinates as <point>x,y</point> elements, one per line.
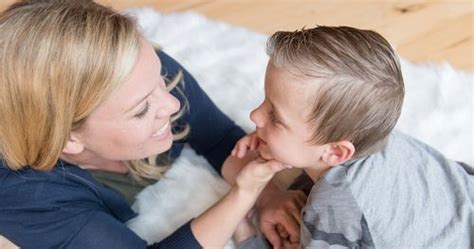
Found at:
<point>422,31</point>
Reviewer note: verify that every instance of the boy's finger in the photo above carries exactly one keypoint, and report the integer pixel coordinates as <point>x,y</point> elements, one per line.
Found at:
<point>291,226</point>
<point>300,202</point>
<point>282,231</point>
<point>272,235</point>
<point>301,199</point>
<point>286,244</point>
<point>297,216</point>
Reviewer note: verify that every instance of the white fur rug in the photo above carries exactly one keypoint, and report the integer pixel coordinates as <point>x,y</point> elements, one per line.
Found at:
<point>229,62</point>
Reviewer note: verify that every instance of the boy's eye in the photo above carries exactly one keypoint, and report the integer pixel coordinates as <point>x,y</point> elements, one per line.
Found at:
<point>273,117</point>
<point>143,112</point>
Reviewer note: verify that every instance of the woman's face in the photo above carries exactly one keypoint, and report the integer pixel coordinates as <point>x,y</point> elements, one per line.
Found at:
<point>134,121</point>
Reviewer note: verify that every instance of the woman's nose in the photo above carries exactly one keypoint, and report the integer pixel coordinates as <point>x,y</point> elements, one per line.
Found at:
<point>169,105</point>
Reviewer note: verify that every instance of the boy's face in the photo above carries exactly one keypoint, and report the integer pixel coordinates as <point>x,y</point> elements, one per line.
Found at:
<point>281,120</point>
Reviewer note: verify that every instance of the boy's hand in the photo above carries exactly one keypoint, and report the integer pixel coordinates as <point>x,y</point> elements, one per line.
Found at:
<point>278,211</point>
<point>279,216</point>
<point>256,174</point>
<point>290,245</point>
<point>249,142</point>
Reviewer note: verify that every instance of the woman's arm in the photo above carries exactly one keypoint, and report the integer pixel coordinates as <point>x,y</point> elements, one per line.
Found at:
<point>212,229</point>
<point>215,226</point>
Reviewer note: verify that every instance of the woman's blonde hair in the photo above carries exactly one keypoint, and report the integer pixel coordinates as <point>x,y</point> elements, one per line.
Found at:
<point>59,59</point>
<point>360,86</point>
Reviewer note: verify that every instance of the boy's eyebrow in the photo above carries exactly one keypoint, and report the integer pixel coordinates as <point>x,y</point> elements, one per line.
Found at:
<point>276,111</point>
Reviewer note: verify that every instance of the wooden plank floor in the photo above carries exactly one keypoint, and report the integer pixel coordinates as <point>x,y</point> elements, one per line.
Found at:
<point>421,30</point>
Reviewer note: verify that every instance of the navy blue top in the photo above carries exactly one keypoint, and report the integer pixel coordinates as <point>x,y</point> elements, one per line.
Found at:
<point>67,207</point>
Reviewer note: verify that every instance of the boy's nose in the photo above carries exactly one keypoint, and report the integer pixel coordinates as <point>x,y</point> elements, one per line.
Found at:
<point>256,118</point>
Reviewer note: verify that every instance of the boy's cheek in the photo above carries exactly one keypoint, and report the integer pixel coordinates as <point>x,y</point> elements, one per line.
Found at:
<point>264,151</point>
<point>270,153</point>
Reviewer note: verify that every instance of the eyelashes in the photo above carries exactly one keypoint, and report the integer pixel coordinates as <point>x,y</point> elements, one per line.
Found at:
<point>143,112</point>
<point>273,117</point>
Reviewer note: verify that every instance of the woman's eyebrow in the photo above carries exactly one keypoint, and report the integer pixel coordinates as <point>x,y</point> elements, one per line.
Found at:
<point>142,99</point>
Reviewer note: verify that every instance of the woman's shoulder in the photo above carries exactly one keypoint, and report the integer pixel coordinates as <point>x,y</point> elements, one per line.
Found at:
<point>62,173</point>
<point>38,200</point>
<point>29,187</point>
<point>61,201</point>
<point>64,186</point>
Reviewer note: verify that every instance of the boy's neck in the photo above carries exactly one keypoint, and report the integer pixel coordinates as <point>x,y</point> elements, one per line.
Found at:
<point>316,172</point>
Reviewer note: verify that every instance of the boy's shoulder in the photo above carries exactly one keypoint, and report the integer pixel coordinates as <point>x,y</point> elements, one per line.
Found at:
<point>401,149</point>
<point>392,196</point>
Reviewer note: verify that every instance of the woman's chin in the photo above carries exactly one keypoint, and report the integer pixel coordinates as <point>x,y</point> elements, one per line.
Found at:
<point>159,147</point>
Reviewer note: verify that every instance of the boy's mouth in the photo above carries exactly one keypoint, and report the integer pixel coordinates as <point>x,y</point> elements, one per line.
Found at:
<point>263,149</point>
<point>260,140</point>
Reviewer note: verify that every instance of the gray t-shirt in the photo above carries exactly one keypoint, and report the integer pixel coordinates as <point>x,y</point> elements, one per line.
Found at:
<point>406,196</point>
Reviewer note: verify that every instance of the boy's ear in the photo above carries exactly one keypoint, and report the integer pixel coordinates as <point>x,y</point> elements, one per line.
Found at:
<point>73,145</point>
<point>338,153</point>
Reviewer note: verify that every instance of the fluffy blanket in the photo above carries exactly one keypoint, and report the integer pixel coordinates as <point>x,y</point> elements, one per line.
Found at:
<point>229,63</point>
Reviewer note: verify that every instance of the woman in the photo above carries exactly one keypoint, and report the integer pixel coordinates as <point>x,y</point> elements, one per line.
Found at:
<point>81,89</point>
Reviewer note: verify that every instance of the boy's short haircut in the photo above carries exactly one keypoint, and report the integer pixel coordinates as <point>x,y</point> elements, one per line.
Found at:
<point>360,85</point>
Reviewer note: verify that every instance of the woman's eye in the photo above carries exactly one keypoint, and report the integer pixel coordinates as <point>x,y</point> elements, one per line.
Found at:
<point>143,112</point>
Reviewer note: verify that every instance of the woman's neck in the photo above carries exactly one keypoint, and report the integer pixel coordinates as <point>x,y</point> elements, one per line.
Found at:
<point>111,166</point>
<point>95,163</point>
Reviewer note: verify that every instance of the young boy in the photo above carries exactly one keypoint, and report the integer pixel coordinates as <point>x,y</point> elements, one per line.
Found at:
<point>333,97</point>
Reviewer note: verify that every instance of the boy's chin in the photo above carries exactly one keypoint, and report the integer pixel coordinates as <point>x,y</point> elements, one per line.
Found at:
<point>265,154</point>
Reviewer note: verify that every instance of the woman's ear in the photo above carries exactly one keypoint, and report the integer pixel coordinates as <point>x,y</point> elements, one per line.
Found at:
<point>73,145</point>
<point>338,153</point>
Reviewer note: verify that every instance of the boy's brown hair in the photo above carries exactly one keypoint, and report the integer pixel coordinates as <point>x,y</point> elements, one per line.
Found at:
<point>360,85</point>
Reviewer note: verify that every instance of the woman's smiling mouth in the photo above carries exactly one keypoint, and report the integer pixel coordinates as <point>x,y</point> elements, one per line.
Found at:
<point>162,132</point>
